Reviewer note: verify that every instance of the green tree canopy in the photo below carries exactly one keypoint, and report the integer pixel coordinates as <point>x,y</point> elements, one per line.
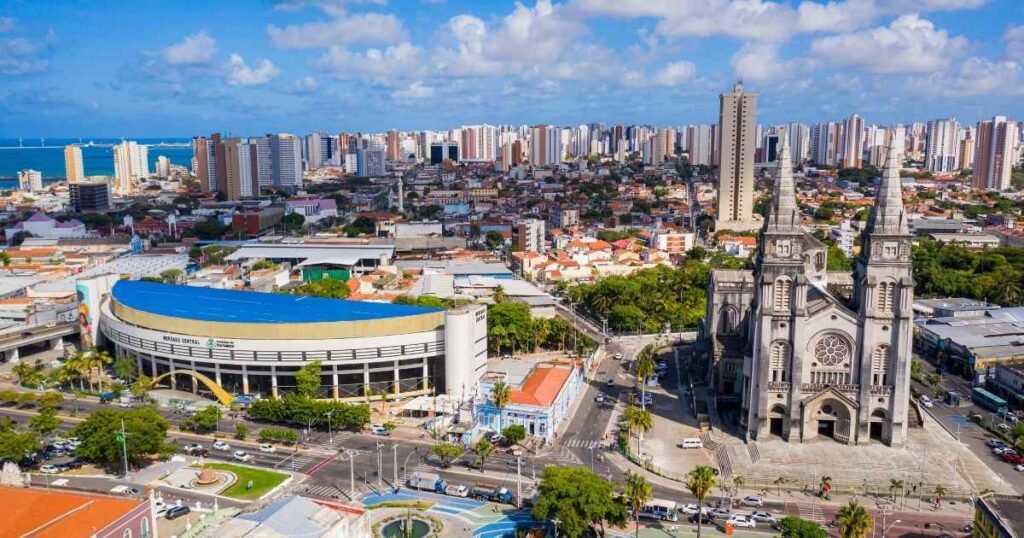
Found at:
<point>515,433</point>
<point>307,379</point>
<point>146,435</point>
<point>447,452</point>
<point>795,527</point>
<point>326,287</point>
<point>17,445</point>
<point>46,422</point>
<point>579,499</point>
<point>204,421</point>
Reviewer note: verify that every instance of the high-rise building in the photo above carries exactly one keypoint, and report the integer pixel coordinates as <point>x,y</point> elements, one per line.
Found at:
<point>163,167</point>
<point>530,235</point>
<point>131,164</point>
<point>853,143</point>
<point>942,149</point>
<point>90,195</point>
<point>824,143</point>
<point>285,160</point>
<point>238,164</point>
<point>442,151</point>
<point>74,168</point>
<point>544,145</point>
<point>262,165</point>
<point>994,153</point>
<point>737,127</point>
<point>30,180</point>
<point>394,146</point>
<point>967,139</point>
<point>313,150</point>
<point>799,142</point>
<point>370,162</point>
<point>205,156</point>
<point>699,141</point>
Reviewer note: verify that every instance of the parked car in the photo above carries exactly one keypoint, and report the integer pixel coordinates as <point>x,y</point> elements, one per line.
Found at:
<point>993,443</point>
<point>705,519</point>
<point>268,448</point>
<point>1020,468</point>
<point>457,491</point>
<point>49,469</point>
<point>753,500</point>
<point>240,455</point>
<point>221,445</point>
<point>74,442</point>
<point>691,509</point>
<point>618,356</point>
<point>720,513</point>
<point>763,517</point>
<point>192,448</point>
<point>925,401</point>
<point>176,511</point>
<point>599,398</point>
<point>379,429</point>
<point>74,464</point>
<point>740,520</point>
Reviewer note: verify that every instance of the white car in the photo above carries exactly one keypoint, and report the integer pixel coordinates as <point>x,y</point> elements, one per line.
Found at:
<point>1020,468</point>
<point>74,442</point>
<point>51,324</point>
<point>753,500</point>
<point>720,513</point>
<point>267,447</point>
<point>221,445</point>
<point>740,520</point>
<point>240,455</point>
<point>692,509</point>
<point>925,401</point>
<point>457,491</point>
<point>763,517</point>
<point>599,398</point>
<point>49,469</point>
<point>618,356</point>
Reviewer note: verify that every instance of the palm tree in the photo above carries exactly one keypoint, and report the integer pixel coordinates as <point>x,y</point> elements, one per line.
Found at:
<point>778,484</point>
<point>737,483</point>
<point>636,492</point>
<point>639,421</point>
<point>96,360</point>
<point>501,394</point>
<point>483,449</point>
<point>499,295</point>
<point>854,521</point>
<point>895,486</point>
<point>77,364</point>
<point>940,492</point>
<point>700,482</point>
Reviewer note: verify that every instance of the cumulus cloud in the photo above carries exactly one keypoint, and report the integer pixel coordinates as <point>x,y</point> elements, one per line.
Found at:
<point>675,74</point>
<point>1014,38</point>
<point>761,62</point>
<point>416,90</point>
<point>346,28</point>
<point>21,56</point>
<point>401,60</point>
<point>198,48</point>
<point>304,85</point>
<point>909,45</point>
<point>240,74</point>
<point>974,76</point>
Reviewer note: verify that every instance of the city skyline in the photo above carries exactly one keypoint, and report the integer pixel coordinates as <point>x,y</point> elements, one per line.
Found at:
<point>412,65</point>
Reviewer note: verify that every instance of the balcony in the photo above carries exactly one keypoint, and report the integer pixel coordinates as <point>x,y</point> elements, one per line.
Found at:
<point>881,390</point>
<point>818,387</point>
<point>778,386</point>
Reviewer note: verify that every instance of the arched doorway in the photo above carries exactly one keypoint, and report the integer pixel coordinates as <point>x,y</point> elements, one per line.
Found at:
<point>776,420</point>
<point>876,424</point>
<point>830,418</point>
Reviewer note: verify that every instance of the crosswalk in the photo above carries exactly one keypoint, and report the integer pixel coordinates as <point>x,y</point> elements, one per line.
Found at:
<point>586,444</point>
<point>811,512</point>
<point>300,462</point>
<point>322,492</point>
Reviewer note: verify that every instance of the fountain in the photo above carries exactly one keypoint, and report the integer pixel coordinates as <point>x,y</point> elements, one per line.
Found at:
<point>207,477</point>
<point>406,527</point>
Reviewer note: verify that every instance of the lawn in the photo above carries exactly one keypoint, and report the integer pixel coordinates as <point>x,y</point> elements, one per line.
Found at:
<point>262,480</point>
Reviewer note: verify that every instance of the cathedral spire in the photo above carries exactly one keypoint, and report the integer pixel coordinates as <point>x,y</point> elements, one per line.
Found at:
<point>888,216</point>
<point>785,214</point>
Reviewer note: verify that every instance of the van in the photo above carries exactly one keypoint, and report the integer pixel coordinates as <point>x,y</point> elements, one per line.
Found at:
<point>692,442</point>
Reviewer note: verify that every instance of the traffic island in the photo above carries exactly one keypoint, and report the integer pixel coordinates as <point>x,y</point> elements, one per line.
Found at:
<point>228,480</point>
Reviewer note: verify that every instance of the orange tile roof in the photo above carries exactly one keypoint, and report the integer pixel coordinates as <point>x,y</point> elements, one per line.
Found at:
<point>542,385</point>
<point>58,514</point>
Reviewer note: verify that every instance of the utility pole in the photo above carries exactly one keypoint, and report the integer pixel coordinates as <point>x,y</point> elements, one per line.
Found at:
<point>394,448</point>
<point>124,447</point>
<point>519,482</point>
<point>330,433</point>
<point>380,462</point>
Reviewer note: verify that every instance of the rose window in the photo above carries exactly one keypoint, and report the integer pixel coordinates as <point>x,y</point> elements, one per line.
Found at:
<point>831,350</point>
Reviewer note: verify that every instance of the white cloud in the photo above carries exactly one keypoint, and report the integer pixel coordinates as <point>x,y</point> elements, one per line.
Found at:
<point>675,74</point>
<point>633,79</point>
<point>333,8</point>
<point>760,62</point>
<point>20,56</point>
<point>6,24</point>
<point>304,85</point>
<point>401,60</point>
<point>975,76</point>
<point>347,28</point>
<point>198,48</point>
<point>240,74</point>
<point>909,45</point>
<point>416,90</point>
<point>1014,38</point>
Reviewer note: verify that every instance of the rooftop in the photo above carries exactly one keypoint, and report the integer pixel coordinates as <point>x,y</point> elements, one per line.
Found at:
<point>229,306</point>
<point>47,513</point>
<point>542,386</point>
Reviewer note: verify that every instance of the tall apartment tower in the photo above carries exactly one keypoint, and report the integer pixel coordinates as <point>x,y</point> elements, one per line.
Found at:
<point>131,163</point>
<point>74,168</point>
<point>994,153</point>
<point>737,130</point>
<point>853,143</point>
<point>530,235</point>
<point>942,148</point>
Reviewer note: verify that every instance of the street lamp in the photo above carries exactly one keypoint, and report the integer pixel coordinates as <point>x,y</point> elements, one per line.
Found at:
<point>885,530</point>
<point>330,433</point>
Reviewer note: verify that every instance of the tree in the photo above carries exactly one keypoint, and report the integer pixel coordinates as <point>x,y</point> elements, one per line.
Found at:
<point>636,492</point>
<point>46,422</point>
<point>854,521</point>
<point>578,499</point>
<point>940,492</point>
<point>326,287</point>
<point>27,374</point>
<point>895,488</point>
<point>779,482</point>
<point>125,368</point>
<point>515,433</point>
<point>293,221</point>
<point>795,527</point>
<point>16,445</point>
<point>5,259</point>
<point>206,420</point>
<point>447,452</point>
<point>96,360</point>
<point>494,239</point>
<point>483,449</point>
<point>146,434</point>
<point>50,400</point>
<point>700,482</point>
<point>501,394</point>
<point>307,379</point>
<point>499,295</point>
<point>171,276</point>
<point>241,430</point>
<point>142,386</point>
<point>638,420</point>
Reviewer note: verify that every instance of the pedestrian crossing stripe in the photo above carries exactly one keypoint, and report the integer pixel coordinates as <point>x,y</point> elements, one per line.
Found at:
<point>583,443</point>
<point>322,492</point>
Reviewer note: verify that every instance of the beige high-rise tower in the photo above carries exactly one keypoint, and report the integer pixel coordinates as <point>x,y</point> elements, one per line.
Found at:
<point>73,166</point>
<point>737,129</point>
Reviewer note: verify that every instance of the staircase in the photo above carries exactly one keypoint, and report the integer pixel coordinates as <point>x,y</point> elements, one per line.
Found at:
<point>752,452</point>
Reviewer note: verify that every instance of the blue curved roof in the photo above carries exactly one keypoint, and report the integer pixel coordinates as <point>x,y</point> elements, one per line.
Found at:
<point>230,306</point>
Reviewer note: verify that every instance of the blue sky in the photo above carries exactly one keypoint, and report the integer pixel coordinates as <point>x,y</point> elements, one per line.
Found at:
<point>147,68</point>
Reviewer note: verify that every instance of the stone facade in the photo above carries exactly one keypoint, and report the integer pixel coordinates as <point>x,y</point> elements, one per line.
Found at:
<point>801,357</point>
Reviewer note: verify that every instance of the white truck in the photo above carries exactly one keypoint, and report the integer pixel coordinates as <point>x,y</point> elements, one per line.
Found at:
<point>427,481</point>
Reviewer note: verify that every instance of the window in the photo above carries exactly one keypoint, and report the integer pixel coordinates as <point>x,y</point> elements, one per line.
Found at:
<point>783,288</point>
<point>886,296</point>
<point>778,359</point>
<point>880,359</point>
<point>144,527</point>
<point>127,533</point>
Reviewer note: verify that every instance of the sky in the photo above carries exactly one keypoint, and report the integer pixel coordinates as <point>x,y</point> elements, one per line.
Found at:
<point>246,67</point>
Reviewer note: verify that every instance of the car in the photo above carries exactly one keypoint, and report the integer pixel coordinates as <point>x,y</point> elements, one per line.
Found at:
<point>240,455</point>
<point>267,447</point>
<point>74,442</point>
<point>61,444</point>
<point>192,447</point>
<point>925,401</point>
<point>599,398</point>
<point>221,445</point>
<point>74,464</point>
<point>610,382</point>
<point>995,443</point>
<point>49,469</point>
<point>691,509</point>
<point>124,404</point>
<point>761,516</point>
<point>159,506</point>
<point>740,520</point>
<point>51,324</point>
<point>457,491</point>
<point>1013,460</point>
<point>618,356</point>
<point>1020,468</point>
<point>720,513</point>
<point>753,500</point>
<point>998,451</point>
<point>176,511</point>
<point>705,519</point>
<point>379,429</point>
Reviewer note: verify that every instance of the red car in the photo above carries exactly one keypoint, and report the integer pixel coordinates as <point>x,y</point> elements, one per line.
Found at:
<point>1012,458</point>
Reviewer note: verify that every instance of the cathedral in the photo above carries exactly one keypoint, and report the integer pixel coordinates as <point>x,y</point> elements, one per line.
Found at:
<point>804,353</point>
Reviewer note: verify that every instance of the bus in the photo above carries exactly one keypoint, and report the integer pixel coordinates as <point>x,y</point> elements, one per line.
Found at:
<point>986,399</point>
<point>660,509</point>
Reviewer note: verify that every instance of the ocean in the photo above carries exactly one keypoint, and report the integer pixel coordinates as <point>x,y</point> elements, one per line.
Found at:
<point>47,156</point>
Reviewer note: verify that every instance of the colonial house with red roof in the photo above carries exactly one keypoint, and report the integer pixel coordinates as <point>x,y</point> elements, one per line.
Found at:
<point>541,395</point>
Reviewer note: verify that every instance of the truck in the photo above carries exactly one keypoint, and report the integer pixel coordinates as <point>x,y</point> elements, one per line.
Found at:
<point>483,492</point>
<point>106,397</point>
<point>428,482</point>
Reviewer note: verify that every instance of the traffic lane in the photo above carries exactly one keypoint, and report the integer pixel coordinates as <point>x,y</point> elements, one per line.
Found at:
<point>100,484</point>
